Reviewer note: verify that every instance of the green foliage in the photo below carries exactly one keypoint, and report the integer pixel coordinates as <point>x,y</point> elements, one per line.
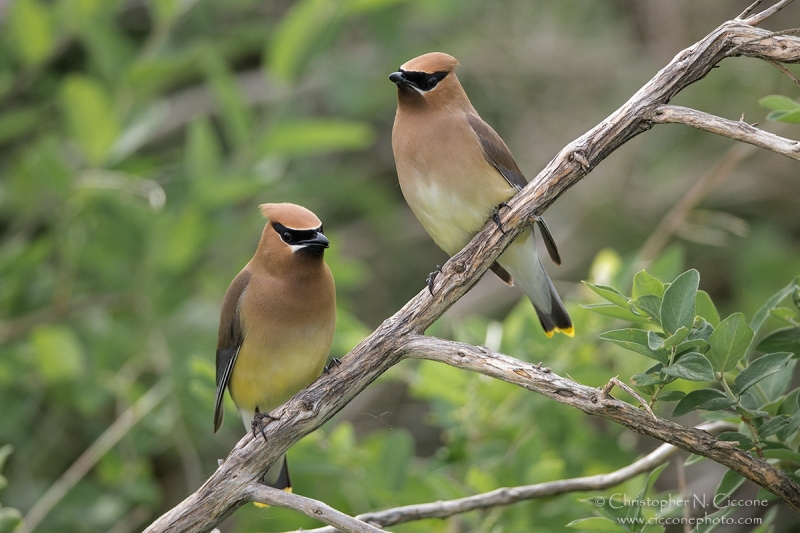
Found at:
<point>751,378</point>
<point>9,517</point>
<point>783,109</point>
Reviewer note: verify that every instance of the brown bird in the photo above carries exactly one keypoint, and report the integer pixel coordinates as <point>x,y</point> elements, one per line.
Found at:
<point>456,172</point>
<point>277,321</point>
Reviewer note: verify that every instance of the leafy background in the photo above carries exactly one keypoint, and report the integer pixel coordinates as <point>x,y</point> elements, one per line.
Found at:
<point>138,137</point>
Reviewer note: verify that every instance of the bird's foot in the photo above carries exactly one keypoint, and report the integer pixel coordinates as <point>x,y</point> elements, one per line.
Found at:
<point>496,216</point>
<point>258,420</point>
<point>335,362</point>
<point>431,277</point>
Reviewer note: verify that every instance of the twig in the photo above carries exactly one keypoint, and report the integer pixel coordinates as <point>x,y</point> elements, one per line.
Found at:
<point>615,381</point>
<point>758,18</point>
<point>508,496</point>
<point>93,453</point>
<point>675,217</point>
<point>733,129</point>
<point>312,508</point>
<point>749,10</point>
<point>789,74</point>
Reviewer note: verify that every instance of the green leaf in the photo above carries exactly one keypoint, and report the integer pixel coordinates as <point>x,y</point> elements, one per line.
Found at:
<point>654,341</point>
<point>693,345</point>
<point>646,380</point>
<point>308,137</point>
<point>30,29</point>
<point>649,305</point>
<point>91,118</point>
<point>596,523</point>
<point>671,396</point>
<point>701,330</point>
<point>692,367</point>
<point>676,338</point>
<point>773,425</point>
<point>729,343</point>
<point>693,459</point>
<point>58,353</point>
<point>781,340</point>
<point>139,131</point>
<point>615,311</point>
<point>299,31</point>
<point>635,340</point>
<point>759,369</point>
<point>762,314</point>
<point>784,116</point>
<point>678,306</point>
<point>609,293</point>
<point>727,486</point>
<point>779,103</point>
<point>706,308</point>
<point>646,285</point>
<point>708,399</point>
<point>785,314</point>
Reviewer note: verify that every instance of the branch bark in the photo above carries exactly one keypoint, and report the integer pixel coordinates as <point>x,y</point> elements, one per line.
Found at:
<point>734,129</point>
<point>231,485</point>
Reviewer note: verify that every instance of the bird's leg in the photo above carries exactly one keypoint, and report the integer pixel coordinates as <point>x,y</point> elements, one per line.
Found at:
<point>258,418</point>
<point>335,362</point>
<point>431,277</point>
<point>496,216</point>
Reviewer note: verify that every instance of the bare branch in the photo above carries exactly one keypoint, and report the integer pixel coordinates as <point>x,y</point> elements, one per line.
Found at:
<point>229,486</point>
<point>734,129</point>
<point>313,508</point>
<point>749,9</point>
<point>508,496</point>
<point>591,401</point>
<point>785,71</point>
<point>758,18</point>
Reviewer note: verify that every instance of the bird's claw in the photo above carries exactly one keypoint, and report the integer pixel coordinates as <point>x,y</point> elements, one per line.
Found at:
<point>335,362</point>
<point>496,216</point>
<point>431,277</point>
<point>258,418</point>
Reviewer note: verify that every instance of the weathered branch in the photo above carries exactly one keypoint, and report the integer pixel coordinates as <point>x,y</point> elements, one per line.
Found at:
<point>313,508</point>
<point>593,402</point>
<point>734,129</point>
<point>508,496</point>
<point>231,485</point>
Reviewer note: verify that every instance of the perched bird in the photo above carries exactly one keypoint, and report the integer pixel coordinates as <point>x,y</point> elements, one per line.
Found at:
<point>276,323</point>
<point>456,172</point>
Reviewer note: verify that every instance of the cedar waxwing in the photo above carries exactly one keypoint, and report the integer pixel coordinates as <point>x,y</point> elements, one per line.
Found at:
<point>276,323</point>
<point>456,172</point>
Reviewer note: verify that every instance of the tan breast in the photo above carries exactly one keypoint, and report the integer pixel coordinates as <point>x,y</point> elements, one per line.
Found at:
<point>445,179</point>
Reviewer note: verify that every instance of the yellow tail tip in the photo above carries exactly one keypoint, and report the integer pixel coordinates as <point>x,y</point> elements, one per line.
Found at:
<point>569,332</point>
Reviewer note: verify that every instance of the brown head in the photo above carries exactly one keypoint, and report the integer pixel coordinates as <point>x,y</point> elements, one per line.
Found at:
<point>292,238</point>
<point>429,80</point>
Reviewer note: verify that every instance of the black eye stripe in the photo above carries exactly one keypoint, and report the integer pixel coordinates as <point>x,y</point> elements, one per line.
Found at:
<point>290,235</point>
<point>424,81</point>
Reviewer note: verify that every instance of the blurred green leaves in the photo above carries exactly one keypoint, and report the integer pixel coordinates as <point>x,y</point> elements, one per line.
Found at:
<point>784,109</point>
<point>90,116</point>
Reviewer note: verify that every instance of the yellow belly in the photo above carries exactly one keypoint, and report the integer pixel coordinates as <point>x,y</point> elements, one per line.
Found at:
<point>270,371</point>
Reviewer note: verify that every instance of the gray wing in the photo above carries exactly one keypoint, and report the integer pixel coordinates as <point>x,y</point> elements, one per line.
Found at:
<point>499,156</point>
<point>229,340</point>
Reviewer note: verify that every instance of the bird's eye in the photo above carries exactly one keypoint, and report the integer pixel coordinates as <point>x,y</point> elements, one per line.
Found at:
<point>286,236</point>
<point>432,82</point>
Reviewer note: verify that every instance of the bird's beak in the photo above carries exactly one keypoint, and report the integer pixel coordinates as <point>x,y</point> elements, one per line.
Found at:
<point>398,79</point>
<point>318,241</point>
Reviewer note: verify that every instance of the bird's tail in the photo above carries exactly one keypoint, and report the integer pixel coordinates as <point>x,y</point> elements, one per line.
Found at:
<point>522,261</point>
